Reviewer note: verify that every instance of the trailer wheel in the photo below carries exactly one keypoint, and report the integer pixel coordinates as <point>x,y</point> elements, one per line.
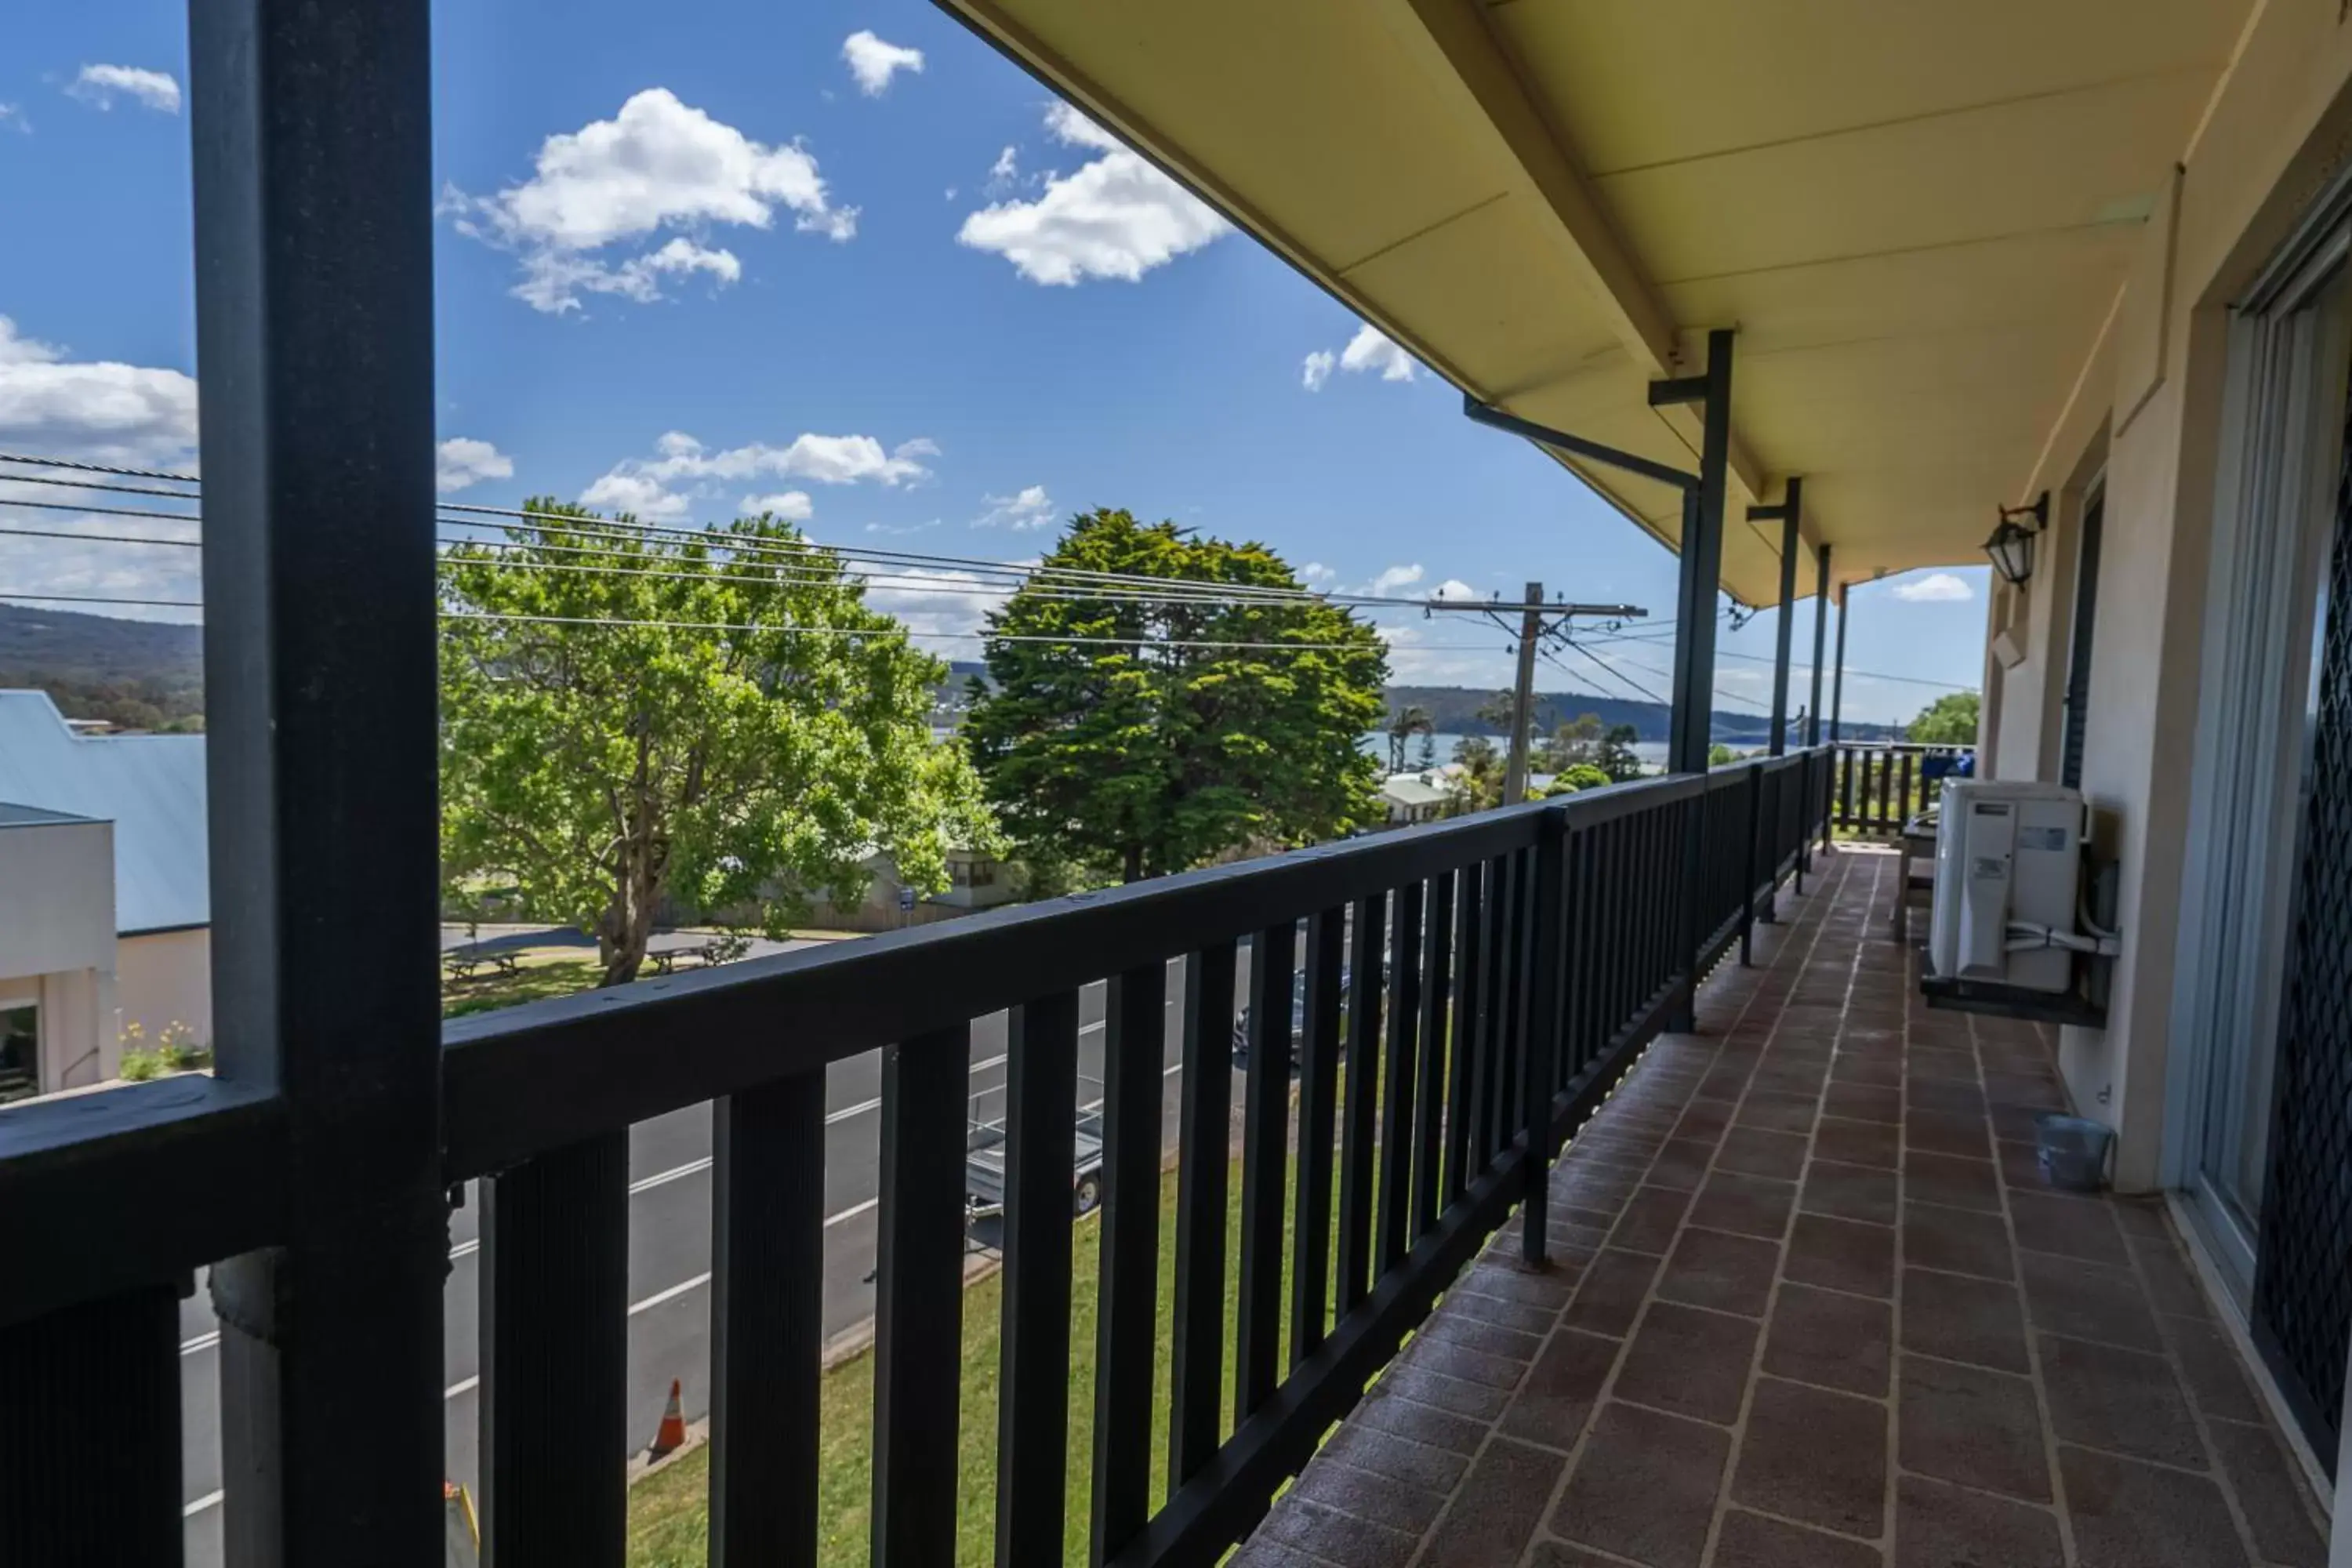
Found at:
<point>1088,1195</point>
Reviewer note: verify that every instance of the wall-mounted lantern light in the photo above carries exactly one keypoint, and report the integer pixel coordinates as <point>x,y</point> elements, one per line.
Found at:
<point>2011,544</point>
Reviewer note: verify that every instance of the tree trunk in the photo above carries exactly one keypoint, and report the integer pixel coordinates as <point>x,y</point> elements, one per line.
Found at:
<point>628,921</point>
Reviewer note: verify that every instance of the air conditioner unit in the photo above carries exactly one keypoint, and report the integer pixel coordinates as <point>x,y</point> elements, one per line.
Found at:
<point>2007,857</point>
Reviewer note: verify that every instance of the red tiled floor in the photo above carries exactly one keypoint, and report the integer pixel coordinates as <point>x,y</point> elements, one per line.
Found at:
<point>1815,1308</point>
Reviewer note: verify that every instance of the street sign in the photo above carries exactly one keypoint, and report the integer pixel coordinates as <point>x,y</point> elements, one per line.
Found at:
<point>906,900</point>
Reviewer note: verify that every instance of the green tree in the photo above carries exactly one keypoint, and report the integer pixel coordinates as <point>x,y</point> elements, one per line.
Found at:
<point>1949,721</point>
<point>1616,757</point>
<point>1478,783</point>
<point>1571,742</point>
<point>663,731</point>
<point>1583,776</point>
<point>1720,753</point>
<point>1182,728</point>
<point>1411,720</point>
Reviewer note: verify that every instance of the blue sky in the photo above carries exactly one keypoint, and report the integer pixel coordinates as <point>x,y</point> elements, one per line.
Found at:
<point>844,257</point>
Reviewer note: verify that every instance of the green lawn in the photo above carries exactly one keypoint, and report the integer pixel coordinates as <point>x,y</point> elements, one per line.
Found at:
<point>669,1512</point>
<point>538,975</point>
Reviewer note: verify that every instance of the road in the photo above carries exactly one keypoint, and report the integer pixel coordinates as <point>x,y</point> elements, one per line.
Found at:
<point>669,1255</point>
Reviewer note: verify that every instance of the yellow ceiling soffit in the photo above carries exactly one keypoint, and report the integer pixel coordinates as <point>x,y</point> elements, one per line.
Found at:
<point>1466,67</point>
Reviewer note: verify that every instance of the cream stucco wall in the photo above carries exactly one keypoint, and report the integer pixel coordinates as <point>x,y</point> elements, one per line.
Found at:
<point>163,978</point>
<point>2278,130</point>
<point>59,950</point>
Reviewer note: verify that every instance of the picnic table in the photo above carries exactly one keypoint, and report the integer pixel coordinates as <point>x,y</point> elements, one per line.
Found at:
<point>463,962</point>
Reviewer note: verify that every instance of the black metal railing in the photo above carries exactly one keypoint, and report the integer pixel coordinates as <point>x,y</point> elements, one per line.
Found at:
<point>1882,786</point>
<point>1506,968</point>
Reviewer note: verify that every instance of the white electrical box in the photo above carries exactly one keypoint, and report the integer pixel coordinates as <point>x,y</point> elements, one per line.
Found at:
<point>2006,853</point>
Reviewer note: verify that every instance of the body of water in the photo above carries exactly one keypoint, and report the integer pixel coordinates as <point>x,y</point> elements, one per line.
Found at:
<point>1376,741</point>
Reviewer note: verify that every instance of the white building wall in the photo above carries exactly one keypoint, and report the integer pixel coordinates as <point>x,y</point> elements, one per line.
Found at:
<point>57,941</point>
<point>163,978</point>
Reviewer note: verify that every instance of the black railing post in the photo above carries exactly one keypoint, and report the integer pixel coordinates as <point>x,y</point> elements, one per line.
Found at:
<point>1792,511</point>
<point>1539,1033</point>
<point>1747,873</point>
<point>311,133</point>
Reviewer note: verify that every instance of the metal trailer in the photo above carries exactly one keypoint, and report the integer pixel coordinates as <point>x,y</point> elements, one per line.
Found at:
<point>985,1147</point>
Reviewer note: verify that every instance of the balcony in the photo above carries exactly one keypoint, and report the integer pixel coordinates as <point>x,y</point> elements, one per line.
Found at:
<point>1527,957</point>
<point>1811,1304</point>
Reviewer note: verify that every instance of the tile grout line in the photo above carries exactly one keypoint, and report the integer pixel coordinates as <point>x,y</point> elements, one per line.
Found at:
<point>1606,1390</point>
<point>1723,1498</point>
<point>2035,1377</point>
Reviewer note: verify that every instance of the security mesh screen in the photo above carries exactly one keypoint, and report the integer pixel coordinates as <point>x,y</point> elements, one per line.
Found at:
<point>2302,1290</point>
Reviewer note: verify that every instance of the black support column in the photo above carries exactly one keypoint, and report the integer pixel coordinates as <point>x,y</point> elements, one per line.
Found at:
<point>1788,512</point>
<point>1702,578</point>
<point>1820,640</point>
<point>1701,554</point>
<point>1837,682</point>
<point>313,202</point>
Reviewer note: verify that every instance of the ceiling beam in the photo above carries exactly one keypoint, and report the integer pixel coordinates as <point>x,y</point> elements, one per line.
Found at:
<point>1470,68</point>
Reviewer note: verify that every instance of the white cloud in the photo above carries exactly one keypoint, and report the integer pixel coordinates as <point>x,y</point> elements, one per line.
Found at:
<point>1316,572</point>
<point>658,165</point>
<point>1453,588</point>
<point>462,460</point>
<point>909,528</point>
<point>1029,507</point>
<point>793,506</point>
<point>666,486</point>
<point>1005,174</point>
<point>13,114</point>
<point>1392,578</point>
<point>105,412</point>
<point>874,62</point>
<point>1937,588</point>
<point>132,415</point>
<point>934,601</point>
<point>97,86</point>
<point>1370,350</point>
<point>1117,216</point>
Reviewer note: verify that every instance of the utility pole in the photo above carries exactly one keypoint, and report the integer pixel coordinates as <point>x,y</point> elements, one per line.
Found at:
<point>1523,698</point>
<point>1538,621</point>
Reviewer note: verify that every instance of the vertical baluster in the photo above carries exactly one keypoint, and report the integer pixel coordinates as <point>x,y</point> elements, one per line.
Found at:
<point>1135,1036</point>
<point>1577,939</point>
<point>1845,760</point>
<point>90,1433</point>
<point>1366,985</point>
<point>1397,1075</point>
<point>1265,1130</point>
<point>918,1300</point>
<point>1429,1098</point>
<point>1751,861</point>
<point>767,1323</point>
<point>555,1347</point>
<point>1318,1107</point>
<point>1494,1034</point>
<point>1462,1095</point>
<point>1538,1038</point>
<point>1200,1182</point>
<point>1903,796</point>
<point>1032,1416</point>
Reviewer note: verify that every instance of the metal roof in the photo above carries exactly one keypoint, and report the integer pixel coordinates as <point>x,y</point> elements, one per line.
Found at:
<point>152,787</point>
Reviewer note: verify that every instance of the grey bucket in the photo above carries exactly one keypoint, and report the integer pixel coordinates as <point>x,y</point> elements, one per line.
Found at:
<point>2072,1151</point>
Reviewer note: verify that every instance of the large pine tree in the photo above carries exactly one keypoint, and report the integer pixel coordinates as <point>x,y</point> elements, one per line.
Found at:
<point>1173,728</point>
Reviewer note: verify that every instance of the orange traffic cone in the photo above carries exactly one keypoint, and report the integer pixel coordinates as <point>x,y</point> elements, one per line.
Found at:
<point>671,1435</point>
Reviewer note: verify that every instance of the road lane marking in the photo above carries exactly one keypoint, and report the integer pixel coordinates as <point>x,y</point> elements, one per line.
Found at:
<point>672,1294</point>
<point>852,1212</point>
<point>210,1499</point>
<point>675,1173</point>
<point>847,1112</point>
<point>203,1341</point>
<point>466,1248</point>
<point>463,1385</point>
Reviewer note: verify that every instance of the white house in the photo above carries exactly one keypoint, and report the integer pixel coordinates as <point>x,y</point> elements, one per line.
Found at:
<point>57,950</point>
<point>146,793</point>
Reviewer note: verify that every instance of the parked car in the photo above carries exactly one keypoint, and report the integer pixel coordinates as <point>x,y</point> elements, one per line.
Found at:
<point>1298,1021</point>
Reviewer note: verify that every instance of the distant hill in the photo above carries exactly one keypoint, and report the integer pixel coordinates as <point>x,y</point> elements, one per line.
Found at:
<point>147,675</point>
<point>141,675</point>
<point>1454,711</point>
